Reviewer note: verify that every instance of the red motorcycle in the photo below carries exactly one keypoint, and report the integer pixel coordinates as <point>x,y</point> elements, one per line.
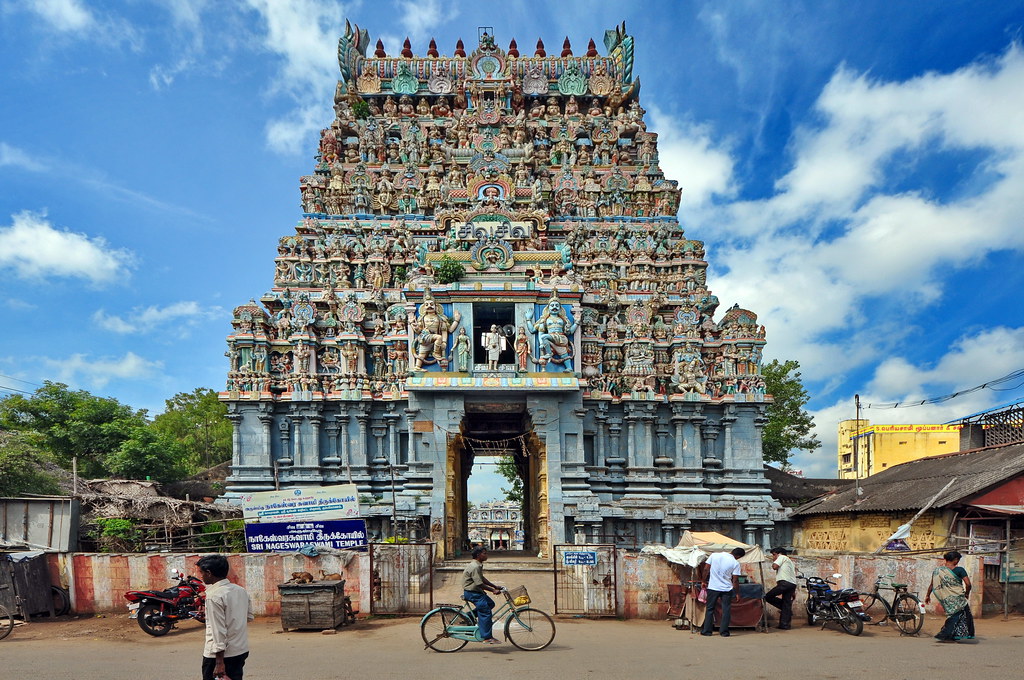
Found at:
<point>158,610</point>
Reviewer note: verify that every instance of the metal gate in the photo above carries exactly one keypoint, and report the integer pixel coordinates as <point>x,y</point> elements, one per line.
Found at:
<point>401,578</point>
<point>586,580</point>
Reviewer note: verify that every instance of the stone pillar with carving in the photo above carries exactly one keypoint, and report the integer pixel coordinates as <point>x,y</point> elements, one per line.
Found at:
<point>284,428</point>
<point>574,476</point>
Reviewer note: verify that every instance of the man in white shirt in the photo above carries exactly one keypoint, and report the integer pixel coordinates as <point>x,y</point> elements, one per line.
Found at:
<point>782,594</point>
<point>723,579</point>
<point>228,612</point>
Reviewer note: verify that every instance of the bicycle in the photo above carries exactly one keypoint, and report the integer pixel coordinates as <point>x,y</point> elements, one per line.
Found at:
<point>449,627</point>
<point>6,620</point>
<point>905,609</point>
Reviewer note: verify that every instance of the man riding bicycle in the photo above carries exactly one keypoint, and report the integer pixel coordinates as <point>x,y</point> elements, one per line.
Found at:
<point>474,587</point>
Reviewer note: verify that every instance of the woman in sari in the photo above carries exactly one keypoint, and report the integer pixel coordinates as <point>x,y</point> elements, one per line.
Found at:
<point>952,586</point>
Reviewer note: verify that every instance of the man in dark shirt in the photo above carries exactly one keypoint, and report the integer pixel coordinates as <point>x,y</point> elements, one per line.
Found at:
<point>474,586</point>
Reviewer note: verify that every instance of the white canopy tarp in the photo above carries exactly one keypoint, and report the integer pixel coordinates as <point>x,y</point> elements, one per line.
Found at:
<point>695,546</point>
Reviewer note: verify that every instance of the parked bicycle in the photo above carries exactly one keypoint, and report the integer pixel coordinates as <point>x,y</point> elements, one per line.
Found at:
<point>6,619</point>
<point>905,609</point>
<point>448,627</point>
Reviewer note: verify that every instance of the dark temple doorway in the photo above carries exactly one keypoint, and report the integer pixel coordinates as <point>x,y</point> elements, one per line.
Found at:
<point>485,315</point>
<point>491,432</point>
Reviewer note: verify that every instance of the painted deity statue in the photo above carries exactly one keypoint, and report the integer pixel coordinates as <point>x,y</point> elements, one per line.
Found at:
<point>554,332</point>
<point>431,332</point>
<point>522,348</point>
<point>462,352</point>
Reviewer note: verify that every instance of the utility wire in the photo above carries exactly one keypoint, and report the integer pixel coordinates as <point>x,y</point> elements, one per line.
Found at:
<point>27,382</point>
<point>946,397</point>
<point>5,388</point>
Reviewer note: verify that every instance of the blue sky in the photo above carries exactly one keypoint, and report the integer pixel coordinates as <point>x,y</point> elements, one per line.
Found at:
<point>856,169</point>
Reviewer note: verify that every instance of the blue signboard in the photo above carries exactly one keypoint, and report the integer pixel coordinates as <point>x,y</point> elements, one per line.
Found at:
<point>345,534</point>
<point>578,558</point>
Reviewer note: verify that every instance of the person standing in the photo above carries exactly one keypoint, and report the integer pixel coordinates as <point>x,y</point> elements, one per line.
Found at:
<point>782,595</point>
<point>228,612</point>
<point>474,587</point>
<point>723,580</point>
<point>952,586</point>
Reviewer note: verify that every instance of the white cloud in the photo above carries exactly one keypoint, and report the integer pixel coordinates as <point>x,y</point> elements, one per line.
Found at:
<point>63,15</point>
<point>687,154</point>
<point>73,19</point>
<point>420,17</point>
<point>142,319</point>
<point>833,237</point>
<point>970,361</point>
<point>304,33</point>
<point>34,249</point>
<point>15,157</point>
<point>81,369</point>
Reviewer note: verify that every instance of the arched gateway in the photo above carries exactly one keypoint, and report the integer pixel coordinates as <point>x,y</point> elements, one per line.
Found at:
<point>489,263</point>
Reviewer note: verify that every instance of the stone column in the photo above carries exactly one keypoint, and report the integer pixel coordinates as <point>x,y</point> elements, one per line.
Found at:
<point>727,420</point>
<point>236,439</point>
<point>284,426</point>
<point>679,422</point>
<point>410,418</point>
<point>267,423</point>
<point>346,458</point>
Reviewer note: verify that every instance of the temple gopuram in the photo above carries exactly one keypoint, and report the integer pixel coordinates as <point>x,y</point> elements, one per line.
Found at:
<point>489,263</point>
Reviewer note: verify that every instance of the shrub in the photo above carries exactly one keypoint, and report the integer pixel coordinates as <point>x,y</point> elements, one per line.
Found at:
<point>448,270</point>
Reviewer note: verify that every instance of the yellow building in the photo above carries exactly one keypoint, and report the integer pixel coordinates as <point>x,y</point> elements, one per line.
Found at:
<point>866,449</point>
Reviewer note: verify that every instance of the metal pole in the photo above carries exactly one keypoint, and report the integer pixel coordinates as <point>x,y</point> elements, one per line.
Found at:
<point>1006,573</point>
<point>856,443</point>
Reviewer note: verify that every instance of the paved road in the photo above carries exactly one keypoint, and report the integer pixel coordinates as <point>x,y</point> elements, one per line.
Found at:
<point>101,649</point>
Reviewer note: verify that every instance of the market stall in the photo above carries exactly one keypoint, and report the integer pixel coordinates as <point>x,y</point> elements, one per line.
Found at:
<point>686,604</point>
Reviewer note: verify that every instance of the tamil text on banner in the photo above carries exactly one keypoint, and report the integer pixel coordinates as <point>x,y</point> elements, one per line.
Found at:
<point>340,501</point>
<point>344,534</point>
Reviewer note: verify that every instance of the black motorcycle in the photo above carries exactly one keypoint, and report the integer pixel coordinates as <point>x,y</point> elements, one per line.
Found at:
<point>825,605</point>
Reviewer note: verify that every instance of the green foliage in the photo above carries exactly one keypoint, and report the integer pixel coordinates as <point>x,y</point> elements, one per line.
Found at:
<point>448,270</point>
<point>21,467</point>
<point>71,424</point>
<point>789,425</point>
<point>228,536</point>
<point>197,422</point>
<point>361,109</point>
<point>507,468</point>
<point>148,454</point>
<point>115,534</point>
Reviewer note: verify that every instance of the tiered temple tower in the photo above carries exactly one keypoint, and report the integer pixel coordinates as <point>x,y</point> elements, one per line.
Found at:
<point>489,263</point>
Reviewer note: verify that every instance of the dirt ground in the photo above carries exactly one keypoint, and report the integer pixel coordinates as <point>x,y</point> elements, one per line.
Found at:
<point>93,648</point>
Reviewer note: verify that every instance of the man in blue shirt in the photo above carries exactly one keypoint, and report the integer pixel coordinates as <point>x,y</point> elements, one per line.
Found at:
<point>474,586</point>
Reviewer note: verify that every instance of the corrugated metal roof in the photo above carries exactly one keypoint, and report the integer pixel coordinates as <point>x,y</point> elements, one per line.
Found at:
<point>911,485</point>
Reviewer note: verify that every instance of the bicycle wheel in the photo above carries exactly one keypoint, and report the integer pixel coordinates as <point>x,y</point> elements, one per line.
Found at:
<point>434,629</point>
<point>869,600</point>
<point>529,629</point>
<point>849,620</point>
<point>6,622</point>
<point>906,611</point>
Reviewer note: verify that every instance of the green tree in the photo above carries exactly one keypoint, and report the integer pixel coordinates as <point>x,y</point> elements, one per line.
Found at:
<point>507,468</point>
<point>789,424</point>
<point>22,467</point>
<point>72,424</point>
<point>148,454</point>
<point>196,420</point>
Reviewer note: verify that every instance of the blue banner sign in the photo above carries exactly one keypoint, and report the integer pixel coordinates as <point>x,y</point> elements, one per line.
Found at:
<point>346,534</point>
<point>579,558</point>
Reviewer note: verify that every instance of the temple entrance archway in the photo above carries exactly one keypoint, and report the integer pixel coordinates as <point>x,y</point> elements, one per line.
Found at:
<point>490,430</point>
